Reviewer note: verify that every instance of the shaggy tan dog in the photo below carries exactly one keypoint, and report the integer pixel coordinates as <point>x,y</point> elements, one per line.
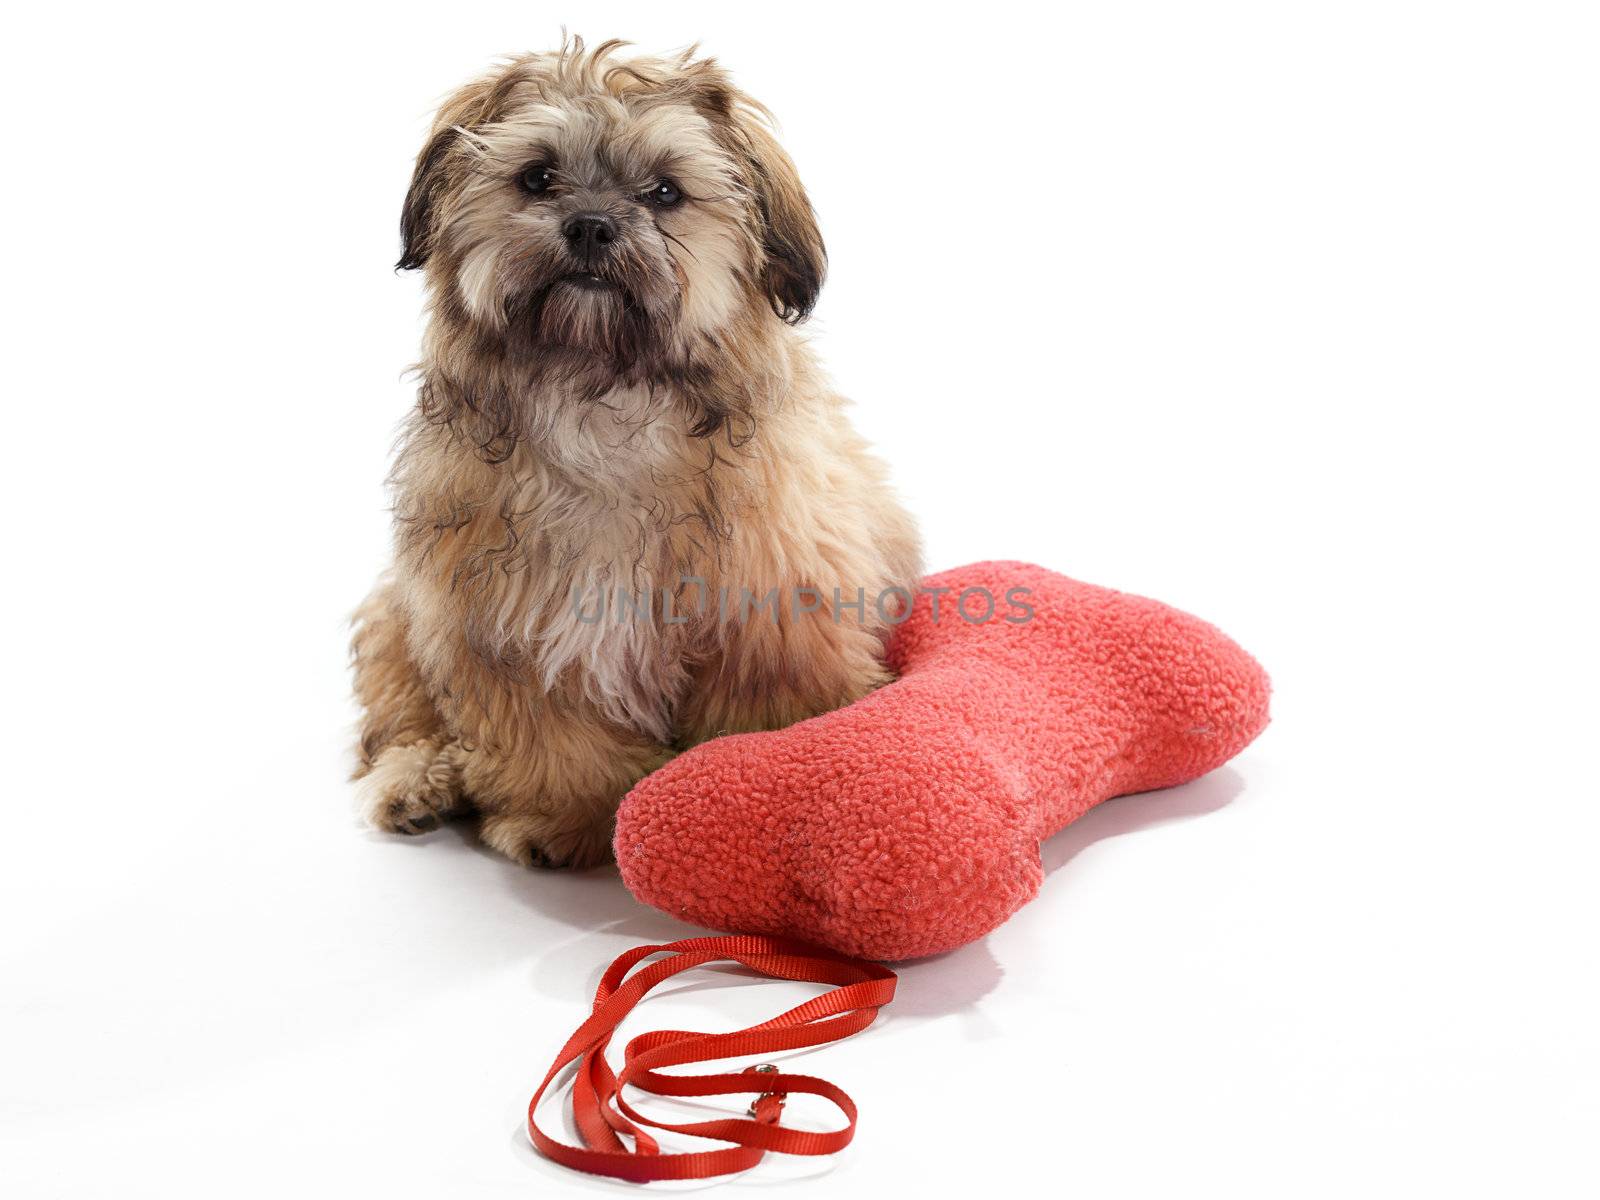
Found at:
<point>630,512</point>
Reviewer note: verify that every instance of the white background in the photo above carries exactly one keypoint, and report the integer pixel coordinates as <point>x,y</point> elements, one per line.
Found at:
<point>1283,313</point>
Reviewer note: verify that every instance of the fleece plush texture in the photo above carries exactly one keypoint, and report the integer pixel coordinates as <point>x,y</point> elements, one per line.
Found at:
<point>909,822</point>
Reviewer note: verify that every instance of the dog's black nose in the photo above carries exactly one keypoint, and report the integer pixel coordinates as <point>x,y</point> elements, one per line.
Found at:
<point>588,234</point>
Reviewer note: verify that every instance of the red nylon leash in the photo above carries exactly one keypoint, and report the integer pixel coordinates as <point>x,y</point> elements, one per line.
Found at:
<point>601,1114</point>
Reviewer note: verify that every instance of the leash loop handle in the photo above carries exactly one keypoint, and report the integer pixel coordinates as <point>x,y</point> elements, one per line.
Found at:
<point>603,1117</point>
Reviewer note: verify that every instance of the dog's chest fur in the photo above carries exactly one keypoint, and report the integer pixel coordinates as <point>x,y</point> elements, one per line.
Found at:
<point>610,504</point>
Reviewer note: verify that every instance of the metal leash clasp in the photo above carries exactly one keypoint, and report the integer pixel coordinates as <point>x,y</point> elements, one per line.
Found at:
<point>764,1069</point>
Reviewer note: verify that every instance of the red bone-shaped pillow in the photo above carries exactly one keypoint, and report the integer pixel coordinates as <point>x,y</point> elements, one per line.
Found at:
<point>909,822</point>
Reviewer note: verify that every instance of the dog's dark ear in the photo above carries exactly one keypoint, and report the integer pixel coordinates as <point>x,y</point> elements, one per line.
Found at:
<point>480,102</point>
<point>796,259</point>
<point>427,184</point>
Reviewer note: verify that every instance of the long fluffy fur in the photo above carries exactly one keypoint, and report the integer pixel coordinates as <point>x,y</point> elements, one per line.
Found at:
<point>668,427</point>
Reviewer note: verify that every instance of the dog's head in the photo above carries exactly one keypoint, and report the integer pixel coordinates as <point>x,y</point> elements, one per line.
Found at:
<point>624,210</point>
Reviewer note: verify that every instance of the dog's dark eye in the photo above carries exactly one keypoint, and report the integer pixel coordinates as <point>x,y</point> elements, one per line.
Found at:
<point>664,195</point>
<point>537,179</point>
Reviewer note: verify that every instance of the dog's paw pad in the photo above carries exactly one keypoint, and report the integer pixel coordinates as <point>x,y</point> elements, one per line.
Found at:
<point>407,791</point>
<point>410,816</point>
<point>536,841</point>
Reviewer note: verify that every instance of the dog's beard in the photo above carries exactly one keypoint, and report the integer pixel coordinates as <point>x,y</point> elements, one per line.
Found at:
<point>583,333</point>
<point>586,312</point>
<point>620,313</point>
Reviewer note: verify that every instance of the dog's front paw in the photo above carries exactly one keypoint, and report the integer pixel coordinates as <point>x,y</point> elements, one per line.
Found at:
<point>411,789</point>
<point>538,841</point>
